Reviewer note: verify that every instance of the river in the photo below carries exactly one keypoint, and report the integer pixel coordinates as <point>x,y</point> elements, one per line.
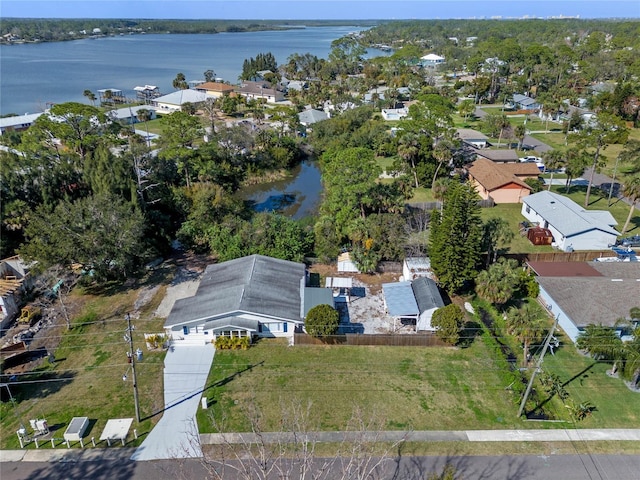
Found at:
<point>34,75</point>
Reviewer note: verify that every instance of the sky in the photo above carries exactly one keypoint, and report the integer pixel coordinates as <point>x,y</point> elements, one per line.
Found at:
<point>317,9</point>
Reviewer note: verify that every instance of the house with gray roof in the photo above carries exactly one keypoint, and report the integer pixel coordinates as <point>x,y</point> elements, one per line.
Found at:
<point>173,102</point>
<point>523,102</point>
<point>18,123</point>
<point>584,293</point>
<point>573,227</point>
<point>311,116</point>
<point>254,296</point>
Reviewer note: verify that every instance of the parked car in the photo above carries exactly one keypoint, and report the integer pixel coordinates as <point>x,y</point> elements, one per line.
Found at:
<point>530,159</point>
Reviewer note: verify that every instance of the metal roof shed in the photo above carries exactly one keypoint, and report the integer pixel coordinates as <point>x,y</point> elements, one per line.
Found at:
<point>400,300</point>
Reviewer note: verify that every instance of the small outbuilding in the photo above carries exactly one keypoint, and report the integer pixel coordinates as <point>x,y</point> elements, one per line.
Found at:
<point>540,236</point>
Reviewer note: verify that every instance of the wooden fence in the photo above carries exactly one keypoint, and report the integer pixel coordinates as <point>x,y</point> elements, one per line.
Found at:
<point>581,256</point>
<point>404,340</point>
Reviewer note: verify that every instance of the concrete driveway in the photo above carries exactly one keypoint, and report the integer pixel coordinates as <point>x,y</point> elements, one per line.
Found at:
<point>186,368</point>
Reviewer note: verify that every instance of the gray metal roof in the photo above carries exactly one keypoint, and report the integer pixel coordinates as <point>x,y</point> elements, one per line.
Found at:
<point>400,299</point>
<point>181,97</point>
<point>312,116</point>
<point>317,296</point>
<point>426,294</point>
<point>255,284</point>
<point>568,217</point>
<point>232,323</point>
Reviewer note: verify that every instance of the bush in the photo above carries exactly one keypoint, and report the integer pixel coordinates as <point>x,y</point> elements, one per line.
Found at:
<point>449,322</point>
<point>322,320</point>
<point>232,343</point>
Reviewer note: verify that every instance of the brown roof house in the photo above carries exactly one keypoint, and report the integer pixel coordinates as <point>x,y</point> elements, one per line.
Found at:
<point>215,89</point>
<point>493,181</point>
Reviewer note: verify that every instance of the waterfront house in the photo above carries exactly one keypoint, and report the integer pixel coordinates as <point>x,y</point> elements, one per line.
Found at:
<point>431,60</point>
<point>215,89</point>
<point>173,102</point>
<point>260,90</point>
<point>573,227</point>
<point>17,123</point>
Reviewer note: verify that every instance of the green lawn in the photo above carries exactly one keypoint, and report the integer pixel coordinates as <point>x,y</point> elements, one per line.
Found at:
<point>86,378</point>
<point>586,381</point>
<point>410,388</point>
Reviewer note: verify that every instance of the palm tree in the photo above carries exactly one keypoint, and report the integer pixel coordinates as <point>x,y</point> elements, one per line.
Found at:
<point>90,96</point>
<point>408,150</point>
<point>526,324</point>
<point>439,190</point>
<point>144,115</point>
<point>441,153</point>
<point>520,131</point>
<point>466,108</point>
<point>602,343</point>
<point>631,190</point>
<point>553,160</point>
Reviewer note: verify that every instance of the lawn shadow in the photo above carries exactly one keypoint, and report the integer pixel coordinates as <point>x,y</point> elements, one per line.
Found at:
<point>471,330</point>
<point>218,383</point>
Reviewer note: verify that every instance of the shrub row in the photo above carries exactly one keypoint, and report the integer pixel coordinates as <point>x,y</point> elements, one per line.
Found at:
<point>232,343</point>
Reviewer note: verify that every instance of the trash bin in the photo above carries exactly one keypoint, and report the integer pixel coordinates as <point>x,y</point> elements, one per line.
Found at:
<point>204,403</point>
<point>139,354</point>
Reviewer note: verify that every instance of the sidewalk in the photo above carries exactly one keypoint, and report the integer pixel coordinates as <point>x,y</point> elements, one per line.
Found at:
<point>481,436</point>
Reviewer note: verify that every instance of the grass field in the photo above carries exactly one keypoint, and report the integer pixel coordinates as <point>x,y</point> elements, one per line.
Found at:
<point>410,388</point>
<point>86,378</point>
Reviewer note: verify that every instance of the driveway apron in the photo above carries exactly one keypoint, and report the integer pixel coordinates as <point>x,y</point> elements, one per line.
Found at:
<point>186,368</point>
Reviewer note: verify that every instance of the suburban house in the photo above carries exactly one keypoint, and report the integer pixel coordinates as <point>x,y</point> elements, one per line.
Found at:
<point>311,116</point>
<point>584,293</point>
<point>501,156</point>
<point>260,90</point>
<point>17,123</point>
<point>215,89</point>
<point>522,102</point>
<point>394,113</point>
<point>473,138</point>
<point>431,60</point>
<point>129,115</point>
<point>416,300</point>
<point>246,297</point>
<point>14,278</point>
<point>573,227</point>
<point>173,102</point>
<point>492,181</point>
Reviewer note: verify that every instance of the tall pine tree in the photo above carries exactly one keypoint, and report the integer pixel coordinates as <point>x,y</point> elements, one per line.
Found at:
<point>455,241</point>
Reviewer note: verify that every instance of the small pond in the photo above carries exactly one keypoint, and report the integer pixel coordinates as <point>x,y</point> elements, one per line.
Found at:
<point>297,196</point>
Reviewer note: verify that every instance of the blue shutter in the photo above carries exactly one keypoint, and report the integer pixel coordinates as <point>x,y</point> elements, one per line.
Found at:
<point>285,327</point>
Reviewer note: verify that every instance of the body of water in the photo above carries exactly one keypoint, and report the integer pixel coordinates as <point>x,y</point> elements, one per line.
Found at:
<point>34,75</point>
<point>296,197</point>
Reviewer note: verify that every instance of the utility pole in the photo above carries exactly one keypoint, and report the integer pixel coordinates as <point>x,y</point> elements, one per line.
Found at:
<point>538,365</point>
<point>133,368</point>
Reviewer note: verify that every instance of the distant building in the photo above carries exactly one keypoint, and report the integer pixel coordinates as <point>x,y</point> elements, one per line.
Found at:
<point>493,181</point>
<point>431,60</point>
<point>17,123</point>
<point>215,89</point>
<point>174,101</point>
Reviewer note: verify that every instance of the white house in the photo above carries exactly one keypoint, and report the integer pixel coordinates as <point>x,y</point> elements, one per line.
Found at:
<point>18,122</point>
<point>246,297</point>
<point>573,227</point>
<point>173,102</point>
<point>311,116</point>
<point>394,113</point>
<point>129,115</point>
<point>431,60</point>
<point>583,293</point>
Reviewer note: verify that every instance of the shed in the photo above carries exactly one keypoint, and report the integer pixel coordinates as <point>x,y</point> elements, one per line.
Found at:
<point>429,300</point>
<point>345,264</point>
<point>540,236</point>
<point>415,267</point>
<point>75,430</point>
<point>314,296</point>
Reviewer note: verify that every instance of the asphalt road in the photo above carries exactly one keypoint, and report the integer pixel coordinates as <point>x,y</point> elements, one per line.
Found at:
<point>539,467</point>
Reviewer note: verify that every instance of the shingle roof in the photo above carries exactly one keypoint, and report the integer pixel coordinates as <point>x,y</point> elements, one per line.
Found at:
<point>568,217</point>
<point>215,87</point>
<point>312,116</point>
<point>524,169</point>
<point>592,300</point>
<point>254,284</point>
<point>493,176</point>
<point>471,134</point>
<point>498,155</point>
